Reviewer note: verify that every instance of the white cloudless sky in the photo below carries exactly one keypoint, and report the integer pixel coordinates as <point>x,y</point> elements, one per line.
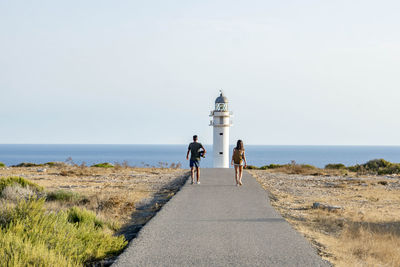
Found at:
<point>148,72</point>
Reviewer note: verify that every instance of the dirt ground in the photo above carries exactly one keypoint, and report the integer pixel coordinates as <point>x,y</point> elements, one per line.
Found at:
<point>352,221</point>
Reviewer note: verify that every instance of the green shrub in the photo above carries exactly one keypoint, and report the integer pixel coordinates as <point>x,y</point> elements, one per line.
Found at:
<point>2,165</point>
<point>335,166</point>
<point>27,164</point>
<point>83,216</point>
<point>62,195</point>
<point>251,167</point>
<point>103,165</point>
<point>13,180</point>
<point>54,164</point>
<point>30,236</point>
<point>376,166</point>
<point>271,166</point>
<point>307,166</point>
<point>16,193</point>
<point>355,168</point>
<point>275,166</point>
<point>393,168</point>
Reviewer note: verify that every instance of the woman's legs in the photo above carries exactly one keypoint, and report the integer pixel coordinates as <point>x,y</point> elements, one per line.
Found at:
<point>240,174</point>
<point>236,174</point>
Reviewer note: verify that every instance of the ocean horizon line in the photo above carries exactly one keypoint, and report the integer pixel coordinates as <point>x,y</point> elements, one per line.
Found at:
<point>232,144</point>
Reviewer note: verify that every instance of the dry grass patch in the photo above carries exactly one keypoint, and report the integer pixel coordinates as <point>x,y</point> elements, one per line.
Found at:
<point>363,231</point>
<point>118,199</point>
<point>110,192</point>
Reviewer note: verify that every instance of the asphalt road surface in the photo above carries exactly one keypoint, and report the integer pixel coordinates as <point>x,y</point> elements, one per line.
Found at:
<point>218,224</point>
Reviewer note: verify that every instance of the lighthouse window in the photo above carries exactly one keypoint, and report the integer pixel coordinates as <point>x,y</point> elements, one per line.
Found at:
<point>221,133</point>
<point>221,153</point>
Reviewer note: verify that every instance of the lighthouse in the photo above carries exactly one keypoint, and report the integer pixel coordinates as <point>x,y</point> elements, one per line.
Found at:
<point>221,123</point>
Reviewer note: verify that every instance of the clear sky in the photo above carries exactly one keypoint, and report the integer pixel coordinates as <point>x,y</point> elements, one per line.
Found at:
<point>142,72</point>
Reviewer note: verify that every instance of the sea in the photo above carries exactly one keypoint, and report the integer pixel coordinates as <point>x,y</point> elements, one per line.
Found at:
<point>163,155</point>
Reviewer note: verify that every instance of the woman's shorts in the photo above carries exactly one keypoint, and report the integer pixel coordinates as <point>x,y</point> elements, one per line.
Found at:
<point>238,164</point>
<point>194,163</point>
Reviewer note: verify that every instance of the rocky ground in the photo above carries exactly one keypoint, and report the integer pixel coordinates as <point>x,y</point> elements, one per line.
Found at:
<point>353,221</point>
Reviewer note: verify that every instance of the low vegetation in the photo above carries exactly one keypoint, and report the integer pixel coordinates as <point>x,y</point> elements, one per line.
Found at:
<point>27,164</point>
<point>103,165</point>
<point>92,210</point>
<point>18,181</point>
<point>352,221</point>
<point>2,165</point>
<point>48,164</point>
<point>374,167</point>
<point>64,195</point>
<point>31,236</point>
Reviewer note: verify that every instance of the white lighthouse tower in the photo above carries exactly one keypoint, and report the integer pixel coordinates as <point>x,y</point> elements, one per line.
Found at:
<point>221,123</point>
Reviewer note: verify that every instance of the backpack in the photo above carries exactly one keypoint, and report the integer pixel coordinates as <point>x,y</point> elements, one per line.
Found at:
<point>237,156</point>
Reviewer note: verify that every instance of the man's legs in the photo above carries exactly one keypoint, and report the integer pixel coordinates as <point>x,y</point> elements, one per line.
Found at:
<point>198,173</point>
<point>192,173</point>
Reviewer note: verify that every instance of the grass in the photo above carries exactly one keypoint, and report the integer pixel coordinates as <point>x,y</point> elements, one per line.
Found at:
<point>31,236</point>
<point>335,166</point>
<point>103,165</point>
<point>291,168</point>
<point>27,164</point>
<point>104,199</point>
<point>365,231</point>
<point>82,216</point>
<point>14,180</point>
<point>63,195</point>
<point>375,167</point>
<point>365,243</point>
<point>2,165</point>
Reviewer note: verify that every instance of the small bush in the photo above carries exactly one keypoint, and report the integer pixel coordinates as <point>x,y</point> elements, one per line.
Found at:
<point>30,236</point>
<point>355,168</point>
<point>252,167</point>
<point>16,192</point>
<point>376,166</point>
<point>272,166</point>
<point>62,195</point>
<point>393,168</point>
<point>27,164</point>
<point>13,180</point>
<point>2,165</point>
<point>54,164</point>
<point>275,166</point>
<point>335,166</point>
<point>83,216</point>
<point>103,165</point>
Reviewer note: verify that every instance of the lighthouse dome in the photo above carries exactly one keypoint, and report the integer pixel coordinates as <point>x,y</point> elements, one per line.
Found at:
<point>221,99</point>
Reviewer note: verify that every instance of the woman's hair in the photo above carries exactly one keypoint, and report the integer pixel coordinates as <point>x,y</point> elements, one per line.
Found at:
<point>239,145</point>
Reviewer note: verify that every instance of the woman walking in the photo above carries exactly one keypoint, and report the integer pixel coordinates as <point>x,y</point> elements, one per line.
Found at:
<point>238,158</point>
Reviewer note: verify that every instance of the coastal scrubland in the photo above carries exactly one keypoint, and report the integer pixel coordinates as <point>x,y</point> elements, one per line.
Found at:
<point>69,215</point>
<point>351,215</point>
<point>374,167</point>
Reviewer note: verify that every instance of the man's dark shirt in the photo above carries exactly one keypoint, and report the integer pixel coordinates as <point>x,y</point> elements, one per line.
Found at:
<point>194,148</point>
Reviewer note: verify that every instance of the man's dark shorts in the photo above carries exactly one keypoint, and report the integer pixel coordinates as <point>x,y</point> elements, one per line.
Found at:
<point>194,163</point>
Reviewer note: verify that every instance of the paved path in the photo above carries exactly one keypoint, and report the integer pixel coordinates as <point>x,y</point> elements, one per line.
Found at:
<point>218,224</point>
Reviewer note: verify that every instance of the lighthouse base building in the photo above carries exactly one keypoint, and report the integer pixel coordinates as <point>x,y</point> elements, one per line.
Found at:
<point>221,123</point>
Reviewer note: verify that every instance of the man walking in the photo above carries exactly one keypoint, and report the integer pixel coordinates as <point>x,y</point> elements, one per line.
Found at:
<point>195,154</point>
